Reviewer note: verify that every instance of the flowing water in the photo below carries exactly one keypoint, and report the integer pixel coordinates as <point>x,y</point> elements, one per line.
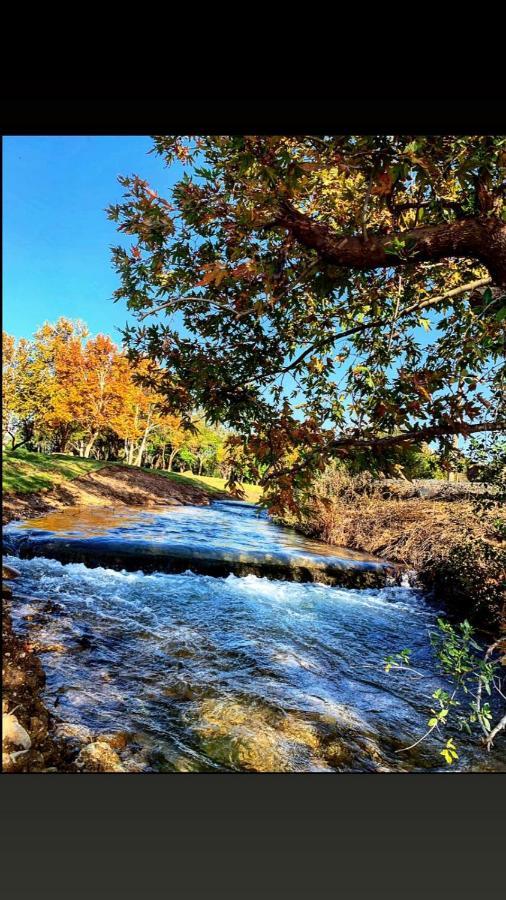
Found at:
<point>230,673</point>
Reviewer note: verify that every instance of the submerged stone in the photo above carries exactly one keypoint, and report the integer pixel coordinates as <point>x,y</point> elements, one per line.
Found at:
<point>9,572</point>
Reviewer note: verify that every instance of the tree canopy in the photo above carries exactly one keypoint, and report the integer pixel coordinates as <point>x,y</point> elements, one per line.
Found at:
<point>65,390</point>
<point>336,292</point>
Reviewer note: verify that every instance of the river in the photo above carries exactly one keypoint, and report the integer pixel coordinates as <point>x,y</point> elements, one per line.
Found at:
<point>230,673</point>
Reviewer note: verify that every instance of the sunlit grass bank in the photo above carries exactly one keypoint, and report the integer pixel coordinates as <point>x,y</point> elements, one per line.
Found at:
<point>252,492</point>
<point>24,472</point>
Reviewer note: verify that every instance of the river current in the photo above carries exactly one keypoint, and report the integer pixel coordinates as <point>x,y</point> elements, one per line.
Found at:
<point>231,673</point>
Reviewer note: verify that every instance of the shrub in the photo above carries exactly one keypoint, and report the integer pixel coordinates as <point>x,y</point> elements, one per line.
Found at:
<point>453,549</point>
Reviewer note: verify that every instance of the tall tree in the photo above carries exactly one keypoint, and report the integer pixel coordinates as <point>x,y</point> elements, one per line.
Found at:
<point>90,386</point>
<point>55,360</point>
<point>360,279</point>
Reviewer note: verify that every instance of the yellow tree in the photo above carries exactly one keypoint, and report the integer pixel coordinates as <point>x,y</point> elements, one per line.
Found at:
<point>23,390</point>
<point>50,381</point>
<point>140,414</point>
<point>8,386</point>
<point>90,387</point>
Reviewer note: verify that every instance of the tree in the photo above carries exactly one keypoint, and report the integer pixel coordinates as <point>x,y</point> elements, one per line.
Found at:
<point>54,363</point>
<point>9,405</point>
<point>173,436</point>
<point>339,292</point>
<point>89,388</point>
<point>32,386</point>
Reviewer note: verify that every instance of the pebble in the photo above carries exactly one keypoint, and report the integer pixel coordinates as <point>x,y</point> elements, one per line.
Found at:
<point>117,740</point>
<point>71,731</point>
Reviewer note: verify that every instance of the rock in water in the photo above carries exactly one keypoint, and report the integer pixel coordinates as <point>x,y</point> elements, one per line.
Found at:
<point>76,734</point>
<point>117,740</point>
<point>99,757</point>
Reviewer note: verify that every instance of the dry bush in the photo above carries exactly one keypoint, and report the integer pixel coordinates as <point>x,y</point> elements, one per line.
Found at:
<point>451,547</point>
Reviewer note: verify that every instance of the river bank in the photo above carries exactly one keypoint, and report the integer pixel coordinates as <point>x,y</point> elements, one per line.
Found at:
<point>110,485</point>
<point>434,530</point>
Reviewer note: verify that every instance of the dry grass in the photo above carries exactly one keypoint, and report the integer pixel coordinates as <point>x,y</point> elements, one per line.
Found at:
<point>451,547</point>
<point>352,512</point>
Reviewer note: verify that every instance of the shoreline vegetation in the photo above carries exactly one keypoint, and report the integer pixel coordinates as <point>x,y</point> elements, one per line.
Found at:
<point>36,483</point>
<point>430,527</point>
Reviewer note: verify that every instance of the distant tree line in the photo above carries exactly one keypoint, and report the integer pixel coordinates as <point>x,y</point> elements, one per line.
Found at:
<point>65,391</point>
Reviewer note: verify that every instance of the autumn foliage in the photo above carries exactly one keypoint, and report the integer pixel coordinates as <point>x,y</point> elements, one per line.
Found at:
<point>338,292</point>
<point>67,391</point>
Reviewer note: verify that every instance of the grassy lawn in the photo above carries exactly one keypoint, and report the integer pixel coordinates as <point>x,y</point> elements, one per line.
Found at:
<point>252,492</point>
<point>25,473</point>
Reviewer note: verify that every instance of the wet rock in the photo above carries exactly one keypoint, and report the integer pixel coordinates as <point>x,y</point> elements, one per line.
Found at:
<point>84,643</point>
<point>184,690</point>
<point>38,728</point>
<point>6,591</point>
<point>52,607</point>
<point>338,755</point>
<point>117,740</point>
<point>51,648</point>
<point>99,757</point>
<point>74,734</point>
<point>13,732</point>
<point>136,765</point>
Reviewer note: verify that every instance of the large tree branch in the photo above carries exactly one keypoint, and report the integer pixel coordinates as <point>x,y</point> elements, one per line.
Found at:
<point>372,442</point>
<point>380,322</point>
<point>482,239</point>
<point>417,434</point>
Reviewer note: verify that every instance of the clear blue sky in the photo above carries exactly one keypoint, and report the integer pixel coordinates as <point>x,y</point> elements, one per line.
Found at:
<point>56,236</point>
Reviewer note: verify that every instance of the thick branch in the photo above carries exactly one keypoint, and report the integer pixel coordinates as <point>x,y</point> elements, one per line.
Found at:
<point>392,440</point>
<point>378,323</point>
<point>482,239</point>
<point>417,434</point>
<point>495,731</point>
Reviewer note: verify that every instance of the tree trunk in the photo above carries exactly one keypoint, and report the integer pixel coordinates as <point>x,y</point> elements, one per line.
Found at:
<point>172,456</point>
<point>90,444</point>
<point>142,447</point>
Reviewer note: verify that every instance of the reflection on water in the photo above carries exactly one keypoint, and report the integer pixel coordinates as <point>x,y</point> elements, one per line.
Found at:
<point>233,674</point>
<point>225,525</point>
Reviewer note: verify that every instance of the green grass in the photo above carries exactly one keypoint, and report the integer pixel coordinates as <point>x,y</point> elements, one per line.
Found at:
<point>25,473</point>
<point>253,492</point>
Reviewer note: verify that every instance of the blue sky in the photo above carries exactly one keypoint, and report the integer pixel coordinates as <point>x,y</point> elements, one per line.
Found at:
<point>56,236</point>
